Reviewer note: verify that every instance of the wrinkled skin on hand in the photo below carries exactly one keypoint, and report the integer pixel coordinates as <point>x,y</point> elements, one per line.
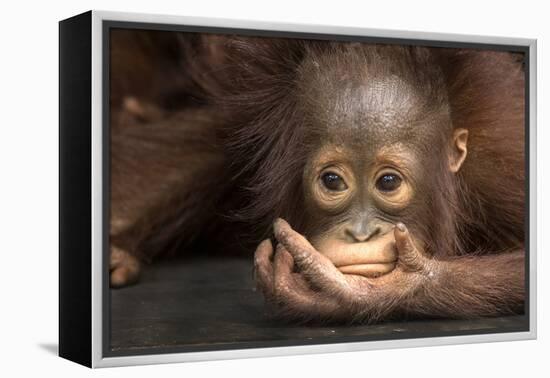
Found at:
<point>302,284</point>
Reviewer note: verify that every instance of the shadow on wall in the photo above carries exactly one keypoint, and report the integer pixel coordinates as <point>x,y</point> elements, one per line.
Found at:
<point>50,348</point>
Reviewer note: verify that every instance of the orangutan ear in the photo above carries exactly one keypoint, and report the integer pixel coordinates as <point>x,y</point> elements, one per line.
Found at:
<point>459,149</point>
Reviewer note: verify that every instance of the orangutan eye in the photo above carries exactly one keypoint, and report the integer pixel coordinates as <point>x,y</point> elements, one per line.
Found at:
<point>333,182</point>
<point>388,182</point>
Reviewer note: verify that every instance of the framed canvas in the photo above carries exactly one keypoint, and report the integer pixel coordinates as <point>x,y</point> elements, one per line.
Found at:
<point>234,189</point>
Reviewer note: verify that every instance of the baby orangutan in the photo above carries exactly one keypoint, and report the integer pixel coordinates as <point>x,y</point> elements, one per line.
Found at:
<point>382,201</point>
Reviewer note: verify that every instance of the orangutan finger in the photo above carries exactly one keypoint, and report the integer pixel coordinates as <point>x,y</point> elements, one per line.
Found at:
<point>263,269</point>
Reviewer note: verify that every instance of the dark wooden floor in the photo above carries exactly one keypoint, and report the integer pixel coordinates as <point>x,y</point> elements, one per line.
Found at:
<point>213,303</point>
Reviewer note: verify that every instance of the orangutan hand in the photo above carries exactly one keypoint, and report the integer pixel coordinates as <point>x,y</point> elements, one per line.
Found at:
<point>301,283</point>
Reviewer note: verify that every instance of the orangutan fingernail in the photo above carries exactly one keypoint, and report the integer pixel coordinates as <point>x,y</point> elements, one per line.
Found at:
<point>401,227</point>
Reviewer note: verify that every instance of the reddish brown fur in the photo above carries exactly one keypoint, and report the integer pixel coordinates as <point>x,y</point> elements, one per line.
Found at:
<point>487,93</point>
<point>268,147</point>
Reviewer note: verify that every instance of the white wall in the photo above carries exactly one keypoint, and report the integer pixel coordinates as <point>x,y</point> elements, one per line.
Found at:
<point>28,207</point>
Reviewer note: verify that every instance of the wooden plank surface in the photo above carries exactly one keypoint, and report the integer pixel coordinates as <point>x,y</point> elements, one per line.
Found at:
<point>212,303</point>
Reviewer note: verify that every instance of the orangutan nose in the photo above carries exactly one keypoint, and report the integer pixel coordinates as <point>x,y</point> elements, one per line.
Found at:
<point>362,234</point>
